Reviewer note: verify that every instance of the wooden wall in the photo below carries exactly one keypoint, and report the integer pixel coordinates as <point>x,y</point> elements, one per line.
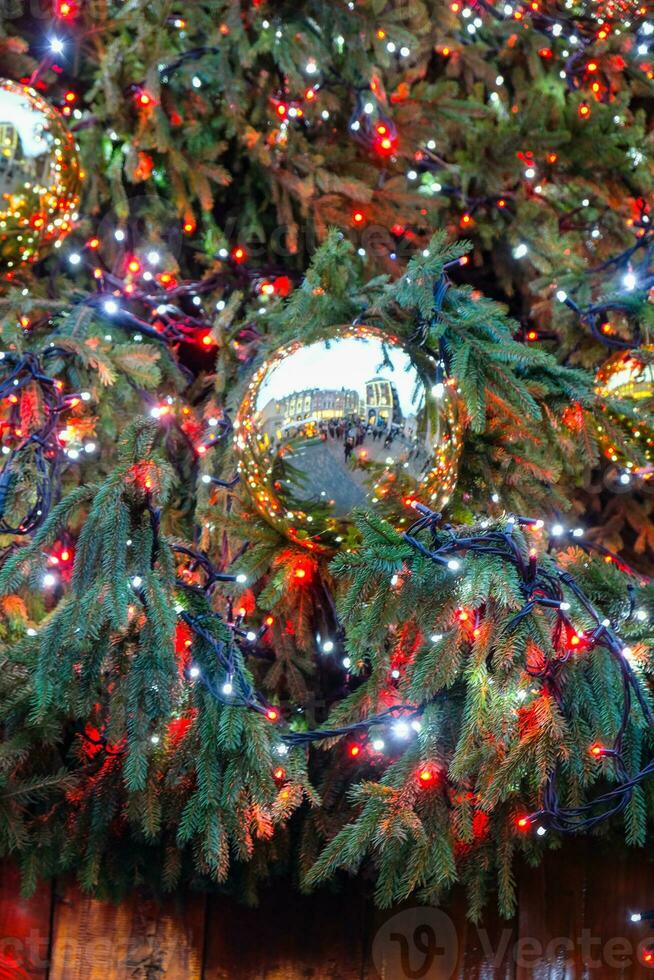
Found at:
<point>573,922</point>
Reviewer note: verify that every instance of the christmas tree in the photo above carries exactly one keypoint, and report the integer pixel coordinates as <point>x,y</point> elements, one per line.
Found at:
<point>326,422</point>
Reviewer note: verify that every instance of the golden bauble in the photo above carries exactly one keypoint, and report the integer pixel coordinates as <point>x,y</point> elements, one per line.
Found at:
<point>354,419</point>
<point>626,376</point>
<point>40,176</point>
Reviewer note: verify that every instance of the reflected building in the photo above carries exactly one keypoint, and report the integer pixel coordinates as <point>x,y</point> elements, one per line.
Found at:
<point>310,404</point>
<point>382,404</point>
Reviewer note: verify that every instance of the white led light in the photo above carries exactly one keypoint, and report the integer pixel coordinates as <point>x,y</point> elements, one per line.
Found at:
<point>520,250</point>
<point>228,687</point>
<point>241,579</point>
<point>250,636</point>
<point>347,662</point>
<point>110,306</point>
<point>137,581</point>
<point>401,729</point>
<point>31,631</point>
<point>49,580</point>
<point>327,646</point>
<point>557,530</point>
<point>378,745</point>
<point>453,565</point>
<point>561,295</point>
<point>629,281</point>
<point>541,831</point>
<point>194,671</point>
<point>635,917</point>
<point>74,258</point>
<point>56,45</point>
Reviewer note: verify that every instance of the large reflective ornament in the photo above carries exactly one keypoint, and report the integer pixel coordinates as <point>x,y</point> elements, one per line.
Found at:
<point>40,176</point>
<point>630,378</point>
<point>352,420</point>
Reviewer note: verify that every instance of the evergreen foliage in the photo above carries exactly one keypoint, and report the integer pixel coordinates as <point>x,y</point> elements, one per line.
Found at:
<point>145,736</point>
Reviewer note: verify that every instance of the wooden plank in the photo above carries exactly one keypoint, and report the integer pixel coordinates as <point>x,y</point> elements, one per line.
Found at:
<point>24,928</point>
<point>288,936</point>
<point>138,939</point>
<point>617,885</point>
<point>551,916</point>
<point>574,914</point>
<point>486,948</point>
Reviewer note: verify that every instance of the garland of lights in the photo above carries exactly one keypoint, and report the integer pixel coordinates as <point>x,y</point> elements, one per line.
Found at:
<point>44,443</point>
<point>546,588</point>
<point>543,587</point>
<point>373,129</point>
